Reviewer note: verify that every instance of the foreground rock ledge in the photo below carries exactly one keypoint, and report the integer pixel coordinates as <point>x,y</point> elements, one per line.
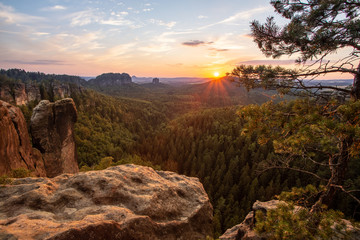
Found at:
<point>122,202</point>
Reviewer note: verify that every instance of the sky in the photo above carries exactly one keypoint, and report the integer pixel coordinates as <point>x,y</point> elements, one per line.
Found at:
<point>145,38</point>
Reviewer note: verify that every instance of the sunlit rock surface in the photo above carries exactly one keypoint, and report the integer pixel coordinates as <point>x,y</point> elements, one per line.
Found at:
<point>15,147</point>
<point>123,202</point>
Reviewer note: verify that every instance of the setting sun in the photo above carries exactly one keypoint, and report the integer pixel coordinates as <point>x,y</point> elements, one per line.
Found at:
<point>216,74</point>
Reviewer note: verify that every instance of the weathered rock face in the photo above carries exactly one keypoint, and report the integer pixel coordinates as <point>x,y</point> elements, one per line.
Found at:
<point>15,147</point>
<point>33,92</point>
<point>61,90</point>
<point>123,202</point>
<point>6,94</point>
<point>245,230</point>
<point>52,130</point>
<point>19,93</point>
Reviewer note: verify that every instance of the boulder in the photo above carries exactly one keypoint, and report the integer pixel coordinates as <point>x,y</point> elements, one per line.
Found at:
<point>15,147</point>
<point>122,202</point>
<point>52,130</point>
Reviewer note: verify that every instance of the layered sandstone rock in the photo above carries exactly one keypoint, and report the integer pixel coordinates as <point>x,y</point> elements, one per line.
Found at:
<point>52,130</point>
<point>123,202</point>
<point>15,147</point>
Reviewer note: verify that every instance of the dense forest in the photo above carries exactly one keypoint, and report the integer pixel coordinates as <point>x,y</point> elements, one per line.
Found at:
<point>194,130</point>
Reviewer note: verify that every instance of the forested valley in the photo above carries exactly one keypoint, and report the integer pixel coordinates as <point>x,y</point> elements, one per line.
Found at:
<point>196,130</point>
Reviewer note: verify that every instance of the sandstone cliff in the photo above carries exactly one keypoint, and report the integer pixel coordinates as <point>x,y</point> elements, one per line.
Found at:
<point>123,202</point>
<point>52,130</point>
<point>15,147</point>
<point>23,93</point>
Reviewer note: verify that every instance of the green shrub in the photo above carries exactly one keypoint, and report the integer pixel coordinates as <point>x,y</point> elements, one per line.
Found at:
<point>5,180</point>
<point>20,173</point>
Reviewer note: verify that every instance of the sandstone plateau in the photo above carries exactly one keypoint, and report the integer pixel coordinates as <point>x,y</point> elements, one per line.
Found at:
<point>122,202</point>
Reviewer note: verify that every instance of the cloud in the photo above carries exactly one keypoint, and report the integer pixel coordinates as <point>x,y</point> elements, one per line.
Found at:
<point>268,62</point>
<point>196,43</point>
<point>11,16</point>
<point>162,23</point>
<point>54,8</point>
<point>202,17</point>
<point>87,17</point>
<point>219,49</point>
<point>83,18</point>
<point>116,22</point>
<point>147,9</point>
<point>38,62</point>
<point>243,15</point>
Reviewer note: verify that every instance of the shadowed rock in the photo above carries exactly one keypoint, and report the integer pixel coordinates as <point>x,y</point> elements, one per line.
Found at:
<point>123,202</point>
<point>52,130</point>
<point>246,231</point>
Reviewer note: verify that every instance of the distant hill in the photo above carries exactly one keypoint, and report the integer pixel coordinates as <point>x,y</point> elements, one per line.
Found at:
<point>25,77</point>
<point>172,81</point>
<point>332,82</point>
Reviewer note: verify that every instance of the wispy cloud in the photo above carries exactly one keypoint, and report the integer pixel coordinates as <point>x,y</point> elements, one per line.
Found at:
<point>116,22</point>
<point>162,23</point>
<point>243,15</point>
<point>38,62</point>
<point>196,43</point>
<point>219,49</point>
<point>83,18</point>
<point>87,17</point>
<point>268,62</point>
<point>147,9</point>
<point>202,17</point>
<point>54,8</point>
<point>9,15</point>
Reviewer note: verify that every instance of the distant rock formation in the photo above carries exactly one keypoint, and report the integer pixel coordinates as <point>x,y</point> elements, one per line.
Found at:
<point>111,79</point>
<point>122,202</point>
<point>155,81</point>
<point>15,147</point>
<point>23,93</point>
<point>245,230</point>
<point>52,130</point>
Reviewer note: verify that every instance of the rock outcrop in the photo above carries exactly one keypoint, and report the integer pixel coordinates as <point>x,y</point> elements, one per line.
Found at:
<point>155,81</point>
<point>33,92</point>
<point>52,130</point>
<point>19,93</point>
<point>245,230</point>
<point>122,202</point>
<point>24,93</point>
<point>15,147</point>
